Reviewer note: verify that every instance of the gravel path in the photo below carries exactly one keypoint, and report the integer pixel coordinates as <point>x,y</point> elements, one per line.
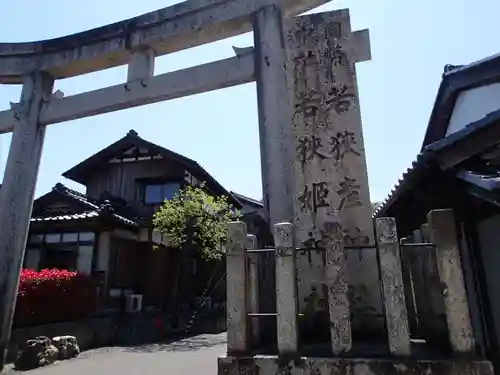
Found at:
<point>192,356</point>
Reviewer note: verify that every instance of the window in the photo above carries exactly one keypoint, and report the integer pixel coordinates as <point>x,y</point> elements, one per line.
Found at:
<point>71,250</point>
<point>70,237</point>
<point>158,193</point>
<point>53,237</point>
<point>60,256</point>
<point>86,237</point>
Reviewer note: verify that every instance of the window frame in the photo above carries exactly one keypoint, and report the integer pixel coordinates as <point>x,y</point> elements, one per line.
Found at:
<point>37,241</point>
<point>162,184</point>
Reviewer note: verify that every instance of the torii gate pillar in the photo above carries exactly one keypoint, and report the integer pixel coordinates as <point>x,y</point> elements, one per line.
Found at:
<point>16,194</point>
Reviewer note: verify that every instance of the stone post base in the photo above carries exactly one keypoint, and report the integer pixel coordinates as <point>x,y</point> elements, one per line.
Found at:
<point>274,365</point>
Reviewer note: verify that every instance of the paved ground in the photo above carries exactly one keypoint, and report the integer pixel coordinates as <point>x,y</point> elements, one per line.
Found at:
<point>193,356</point>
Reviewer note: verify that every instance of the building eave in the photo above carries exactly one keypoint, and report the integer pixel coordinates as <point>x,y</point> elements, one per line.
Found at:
<point>79,172</point>
<point>454,81</point>
<point>432,154</point>
<point>91,210</point>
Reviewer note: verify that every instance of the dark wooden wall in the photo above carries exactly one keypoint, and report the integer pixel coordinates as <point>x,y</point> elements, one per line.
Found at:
<point>119,179</point>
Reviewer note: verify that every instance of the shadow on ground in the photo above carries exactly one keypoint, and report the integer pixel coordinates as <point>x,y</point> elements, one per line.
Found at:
<point>189,356</point>
<point>186,344</point>
<point>183,345</point>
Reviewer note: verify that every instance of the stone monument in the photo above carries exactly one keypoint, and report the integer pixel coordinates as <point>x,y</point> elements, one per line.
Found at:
<point>329,162</point>
<point>333,245</point>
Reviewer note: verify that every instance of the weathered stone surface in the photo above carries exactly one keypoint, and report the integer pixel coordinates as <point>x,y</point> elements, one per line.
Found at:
<point>286,292</point>
<point>335,280</point>
<point>67,347</point>
<point>236,273</point>
<point>329,163</point>
<point>275,130</point>
<point>177,27</point>
<point>271,365</point>
<point>253,287</point>
<point>443,234</point>
<point>392,284</point>
<point>18,190</point>
<point>190,81</point>
<point>427,290</point>
<point>36,353</point>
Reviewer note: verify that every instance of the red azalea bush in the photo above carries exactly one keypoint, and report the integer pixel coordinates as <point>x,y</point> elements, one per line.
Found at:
<point>49,296</point>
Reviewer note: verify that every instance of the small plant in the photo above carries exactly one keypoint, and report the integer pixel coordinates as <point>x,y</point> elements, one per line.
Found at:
<point>196,219</point>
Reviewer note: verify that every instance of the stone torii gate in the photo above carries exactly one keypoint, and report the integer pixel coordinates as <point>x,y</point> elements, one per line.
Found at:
<point>136,42</point>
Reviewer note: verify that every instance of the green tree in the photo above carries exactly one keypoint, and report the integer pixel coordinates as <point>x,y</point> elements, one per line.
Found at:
<point>194,219</point>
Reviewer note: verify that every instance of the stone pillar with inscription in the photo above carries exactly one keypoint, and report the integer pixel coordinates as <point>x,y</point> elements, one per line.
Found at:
<point>329,162</point>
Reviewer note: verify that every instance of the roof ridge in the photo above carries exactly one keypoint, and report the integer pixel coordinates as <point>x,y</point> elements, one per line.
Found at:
<point>250,199</point>
<point>97,207</point>
<point>60,185</point>
<point>133,139</point>
<point>83,198</point>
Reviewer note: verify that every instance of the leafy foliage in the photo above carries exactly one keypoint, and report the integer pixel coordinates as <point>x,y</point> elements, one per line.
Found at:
<point>195,218</point>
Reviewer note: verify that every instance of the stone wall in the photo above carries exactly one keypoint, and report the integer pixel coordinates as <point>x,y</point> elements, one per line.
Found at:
<point>326,366</point>
<point>90,333</point>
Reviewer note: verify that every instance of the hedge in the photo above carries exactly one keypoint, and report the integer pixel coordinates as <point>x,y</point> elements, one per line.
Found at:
<point>53,295</point>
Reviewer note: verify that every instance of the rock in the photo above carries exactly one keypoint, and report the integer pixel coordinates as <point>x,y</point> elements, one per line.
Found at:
<point>35,353</point>
<point>50,356</point>
<point>67,346</point>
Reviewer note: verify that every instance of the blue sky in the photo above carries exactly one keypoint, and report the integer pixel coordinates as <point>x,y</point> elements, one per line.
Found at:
<point>411,42</point>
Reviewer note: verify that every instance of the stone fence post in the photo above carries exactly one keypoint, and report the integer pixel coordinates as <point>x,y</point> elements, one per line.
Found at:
<point>253,287</point>
<point>392,286</point>
<point>286,288</point>
<point>443,234</point>
<point>236,273</point>
<point>335,280</point>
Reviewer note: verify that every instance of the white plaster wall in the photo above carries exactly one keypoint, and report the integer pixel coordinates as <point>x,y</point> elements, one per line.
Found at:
<point>103,251</point>
<point>489,239</point>
<point>473,105</point>
<point>84,261</point>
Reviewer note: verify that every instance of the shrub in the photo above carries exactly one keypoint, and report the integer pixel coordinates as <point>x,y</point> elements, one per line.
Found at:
<point>196,219</point>
<point>54,295</point>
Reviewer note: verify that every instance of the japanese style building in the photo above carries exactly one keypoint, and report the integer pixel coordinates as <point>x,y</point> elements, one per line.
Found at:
<point>108,231</point>
<point>458,167</point>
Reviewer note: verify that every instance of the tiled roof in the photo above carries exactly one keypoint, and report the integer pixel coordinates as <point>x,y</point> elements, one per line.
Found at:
<point>83,215</point>
<point>424,158</point>
<point>245,199</point>
<point>132,139</point>
<point>398,188</point>
<point>482,180</point>
<point>494,60</point>
<point>95,208</point>
<point>455,79</point>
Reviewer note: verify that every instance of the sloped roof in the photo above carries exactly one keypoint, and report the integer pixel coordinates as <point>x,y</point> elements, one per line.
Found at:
<point>90,208</point>
<point>81,216</point>
<point>456,79</point>
<point>426,160</point>
<point>247,200</point>
<point>83,170</point>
